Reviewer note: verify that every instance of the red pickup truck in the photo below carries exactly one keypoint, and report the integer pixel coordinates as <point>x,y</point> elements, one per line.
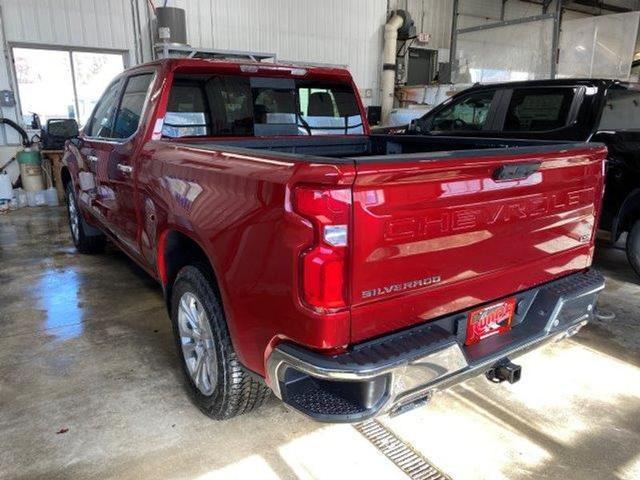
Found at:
<point>351,274</point>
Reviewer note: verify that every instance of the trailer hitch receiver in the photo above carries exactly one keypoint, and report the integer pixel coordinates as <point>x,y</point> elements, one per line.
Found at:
<point>504,370</point>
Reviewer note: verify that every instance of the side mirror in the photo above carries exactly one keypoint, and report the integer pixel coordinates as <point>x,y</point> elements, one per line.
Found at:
<point>420,125</point>
<point>63,127</point>
<point>57,131</point>
<point>374,114</point>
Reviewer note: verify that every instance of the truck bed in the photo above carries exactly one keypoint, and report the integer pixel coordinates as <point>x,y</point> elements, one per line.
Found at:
<point>340,149</point>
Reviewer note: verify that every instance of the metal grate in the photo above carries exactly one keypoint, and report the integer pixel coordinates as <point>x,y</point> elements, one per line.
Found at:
<point>402,455</point>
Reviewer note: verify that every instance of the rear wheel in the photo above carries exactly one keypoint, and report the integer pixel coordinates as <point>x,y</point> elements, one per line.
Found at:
<point>86,238</point>
<point>217,382</point>
<point>633,247</point>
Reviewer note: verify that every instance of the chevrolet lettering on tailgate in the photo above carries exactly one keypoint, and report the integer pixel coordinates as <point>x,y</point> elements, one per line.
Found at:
<point>491,213</point>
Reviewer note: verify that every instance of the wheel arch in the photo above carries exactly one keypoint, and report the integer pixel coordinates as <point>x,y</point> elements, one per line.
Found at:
<point>177,249</point>
<point>65,175</point>
<point>629,212</point>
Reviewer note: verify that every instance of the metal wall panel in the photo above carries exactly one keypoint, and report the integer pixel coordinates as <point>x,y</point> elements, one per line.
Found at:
<point>81,23</point>
<point>435,16</point>
<point>429,16</point>
<point>331,31</point>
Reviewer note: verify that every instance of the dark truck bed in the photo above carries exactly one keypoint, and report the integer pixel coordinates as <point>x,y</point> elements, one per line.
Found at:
<point>379,147</point>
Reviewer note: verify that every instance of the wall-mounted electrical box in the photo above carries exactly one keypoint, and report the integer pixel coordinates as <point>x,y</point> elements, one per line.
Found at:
<point>422,66</point>
<point>7,98</point>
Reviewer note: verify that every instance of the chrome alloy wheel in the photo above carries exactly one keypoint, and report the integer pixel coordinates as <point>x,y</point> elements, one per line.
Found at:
<point>197,343</point>
<point>74,219</point>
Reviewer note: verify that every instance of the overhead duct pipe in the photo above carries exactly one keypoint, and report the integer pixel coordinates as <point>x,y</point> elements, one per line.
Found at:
<point>400,26</point>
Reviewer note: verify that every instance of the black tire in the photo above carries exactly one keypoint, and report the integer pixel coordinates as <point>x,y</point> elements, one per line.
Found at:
<point>235,391</point>
<point>86,238</point>
<point>633,247</point>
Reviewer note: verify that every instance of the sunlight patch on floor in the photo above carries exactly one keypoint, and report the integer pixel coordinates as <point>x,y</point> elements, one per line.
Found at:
<point>253,466</point>
<point>338,451</point>
<point>631,469</point>
<point>569,394</point>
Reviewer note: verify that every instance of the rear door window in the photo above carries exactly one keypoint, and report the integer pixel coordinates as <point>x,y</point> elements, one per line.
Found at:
<point>538,109</point>
<point>621,110</point>
<point>467,114</point>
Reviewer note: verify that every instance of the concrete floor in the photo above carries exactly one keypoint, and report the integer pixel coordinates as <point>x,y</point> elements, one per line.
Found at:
<point>86,345</point>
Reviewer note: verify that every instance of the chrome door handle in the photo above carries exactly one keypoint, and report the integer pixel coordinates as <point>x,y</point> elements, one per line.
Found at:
<point>92,158</point>
<point>125,168</point>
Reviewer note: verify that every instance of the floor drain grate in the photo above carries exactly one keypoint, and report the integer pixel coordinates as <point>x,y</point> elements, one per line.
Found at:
<point>406,458</point>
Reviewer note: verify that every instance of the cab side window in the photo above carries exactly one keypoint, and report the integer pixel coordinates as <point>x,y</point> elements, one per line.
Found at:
<point>101,123</point>
<point>468,114</point>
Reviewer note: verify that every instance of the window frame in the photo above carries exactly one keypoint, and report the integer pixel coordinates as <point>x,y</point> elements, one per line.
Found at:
<point>124,80</point>
<point>126,63</point>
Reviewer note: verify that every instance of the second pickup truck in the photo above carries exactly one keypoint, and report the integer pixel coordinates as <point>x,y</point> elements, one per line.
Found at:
<point>351,274</point>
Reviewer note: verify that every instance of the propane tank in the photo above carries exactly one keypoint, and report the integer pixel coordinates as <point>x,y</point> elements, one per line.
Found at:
<point>30,169</point>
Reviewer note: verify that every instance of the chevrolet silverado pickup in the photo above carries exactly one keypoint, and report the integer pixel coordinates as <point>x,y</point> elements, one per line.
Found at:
<point>351,274</point>
<point>589,110</point>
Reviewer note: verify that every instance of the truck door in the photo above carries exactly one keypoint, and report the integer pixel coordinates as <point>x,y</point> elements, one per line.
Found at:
<point>117,169</point>
<point>97,144</point>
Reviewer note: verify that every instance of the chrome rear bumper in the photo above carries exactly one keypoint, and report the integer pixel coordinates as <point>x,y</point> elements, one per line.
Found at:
<point>391,373</point>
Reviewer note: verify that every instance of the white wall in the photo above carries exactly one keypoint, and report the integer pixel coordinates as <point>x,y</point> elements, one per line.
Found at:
<point>336,32</point>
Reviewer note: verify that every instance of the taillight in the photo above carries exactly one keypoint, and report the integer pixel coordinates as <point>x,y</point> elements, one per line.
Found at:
<point>324,283</point>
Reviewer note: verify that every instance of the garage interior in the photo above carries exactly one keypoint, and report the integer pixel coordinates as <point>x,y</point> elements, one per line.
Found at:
<point>90,383</point>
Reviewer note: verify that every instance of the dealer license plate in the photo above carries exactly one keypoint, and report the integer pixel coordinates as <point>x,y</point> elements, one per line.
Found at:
<point>491,320</point>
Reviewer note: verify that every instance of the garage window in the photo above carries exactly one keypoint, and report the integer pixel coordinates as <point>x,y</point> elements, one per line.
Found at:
<point>63,83</point>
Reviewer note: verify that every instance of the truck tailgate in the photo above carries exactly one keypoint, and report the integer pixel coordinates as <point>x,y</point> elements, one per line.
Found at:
<point>439,234</point>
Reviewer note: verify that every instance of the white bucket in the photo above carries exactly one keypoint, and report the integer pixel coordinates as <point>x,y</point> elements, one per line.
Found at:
<point>6,190</point>
<point>21,197</point>
<point>51,197</point>
<point>36,199</point>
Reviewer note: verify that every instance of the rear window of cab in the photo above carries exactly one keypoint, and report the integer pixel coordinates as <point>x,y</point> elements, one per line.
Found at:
<point>234,105</point>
